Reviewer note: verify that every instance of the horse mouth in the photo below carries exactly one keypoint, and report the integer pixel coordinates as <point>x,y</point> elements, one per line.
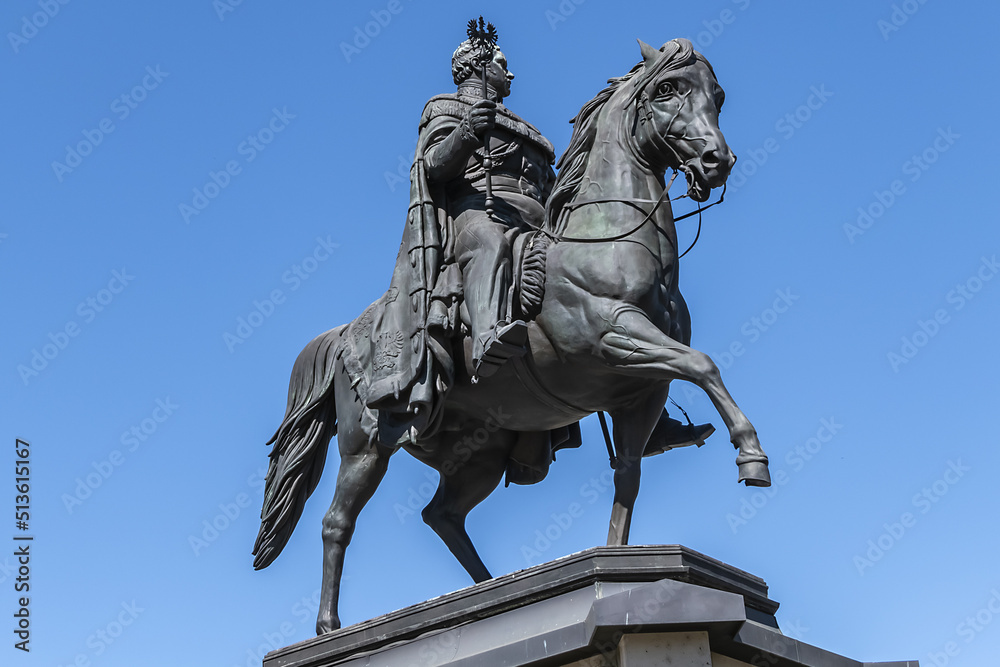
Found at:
<point>698,186</point>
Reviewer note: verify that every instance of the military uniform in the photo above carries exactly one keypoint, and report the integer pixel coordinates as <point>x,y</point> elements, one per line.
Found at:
<point>521,179</point>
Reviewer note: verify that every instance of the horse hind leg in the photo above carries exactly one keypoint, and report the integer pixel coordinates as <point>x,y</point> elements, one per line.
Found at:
<point>632,427</point>
<point>463,486</point>
<point>359,476</point>
<point>635,346</point>
<point>363,464</point>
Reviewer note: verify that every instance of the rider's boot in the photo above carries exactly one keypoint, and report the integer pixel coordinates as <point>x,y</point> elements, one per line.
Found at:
<point>671,434</point>
<point>502,343</point>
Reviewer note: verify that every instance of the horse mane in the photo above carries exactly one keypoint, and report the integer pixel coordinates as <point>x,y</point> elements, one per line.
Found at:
<point>573,162</point>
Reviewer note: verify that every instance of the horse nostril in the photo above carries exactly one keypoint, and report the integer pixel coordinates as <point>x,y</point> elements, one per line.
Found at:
<point>711,158</point>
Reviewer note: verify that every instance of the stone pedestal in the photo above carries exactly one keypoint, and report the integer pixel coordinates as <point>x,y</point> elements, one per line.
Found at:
<point>636,606</point>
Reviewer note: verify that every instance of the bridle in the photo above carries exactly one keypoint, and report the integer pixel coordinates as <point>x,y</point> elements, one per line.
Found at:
<point>649,216</point>
<point>643,116</point>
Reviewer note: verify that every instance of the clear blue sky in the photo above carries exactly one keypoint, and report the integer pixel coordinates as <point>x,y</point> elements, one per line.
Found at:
<point>122,300</point>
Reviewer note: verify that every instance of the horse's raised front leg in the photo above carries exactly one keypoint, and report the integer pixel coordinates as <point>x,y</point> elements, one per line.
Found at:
<point>635,346</point>
<point>632,427</point>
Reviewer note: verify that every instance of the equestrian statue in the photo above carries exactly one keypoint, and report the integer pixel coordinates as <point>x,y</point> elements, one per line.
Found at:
<point>521,302</point>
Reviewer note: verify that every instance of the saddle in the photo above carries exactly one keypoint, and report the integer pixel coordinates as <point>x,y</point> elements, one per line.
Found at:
<point>527,290</point>
<point>448,333</point>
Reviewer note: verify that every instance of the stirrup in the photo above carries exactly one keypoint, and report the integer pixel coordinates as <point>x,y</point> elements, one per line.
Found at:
<point>505,341</point>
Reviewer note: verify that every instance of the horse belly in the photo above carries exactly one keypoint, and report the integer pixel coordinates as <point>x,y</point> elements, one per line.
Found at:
<point>571,387</point>
<point>503,401</point>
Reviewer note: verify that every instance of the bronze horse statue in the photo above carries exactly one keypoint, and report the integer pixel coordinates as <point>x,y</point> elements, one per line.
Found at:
<point>611,333</point>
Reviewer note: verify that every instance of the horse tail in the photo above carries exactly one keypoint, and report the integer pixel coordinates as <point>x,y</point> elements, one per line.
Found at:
<point>300,445</point>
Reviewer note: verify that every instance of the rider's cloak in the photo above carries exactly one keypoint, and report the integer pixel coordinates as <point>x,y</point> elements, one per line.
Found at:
<point>413,329</point>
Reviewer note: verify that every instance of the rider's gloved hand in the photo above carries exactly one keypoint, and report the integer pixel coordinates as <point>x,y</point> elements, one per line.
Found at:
<point>481,117</point>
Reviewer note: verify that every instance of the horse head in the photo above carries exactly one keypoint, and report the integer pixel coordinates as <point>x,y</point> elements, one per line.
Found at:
<point>676,100</point>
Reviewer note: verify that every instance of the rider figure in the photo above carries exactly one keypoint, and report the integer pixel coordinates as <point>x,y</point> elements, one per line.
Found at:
<point>455,129</point>
<point>521,178</point>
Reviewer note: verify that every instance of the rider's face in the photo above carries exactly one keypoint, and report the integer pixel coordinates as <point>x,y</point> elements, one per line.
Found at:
<point>497,74</point>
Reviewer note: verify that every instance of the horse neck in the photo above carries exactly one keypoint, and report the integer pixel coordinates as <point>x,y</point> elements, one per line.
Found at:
<point>614,171</point>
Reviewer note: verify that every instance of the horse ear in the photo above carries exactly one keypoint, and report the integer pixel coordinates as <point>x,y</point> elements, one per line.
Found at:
<point>649,54</point>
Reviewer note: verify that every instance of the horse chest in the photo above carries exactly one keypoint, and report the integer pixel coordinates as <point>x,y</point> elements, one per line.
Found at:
<point>626,271</point>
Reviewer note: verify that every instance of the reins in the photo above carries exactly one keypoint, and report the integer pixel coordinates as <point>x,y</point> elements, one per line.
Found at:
<point>608,239</point>
<point>722,198</point>
<point>649,216</point>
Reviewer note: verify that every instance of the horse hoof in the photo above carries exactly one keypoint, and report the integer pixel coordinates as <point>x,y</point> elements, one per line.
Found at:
<point>755,473</point>
<point>326,626</point>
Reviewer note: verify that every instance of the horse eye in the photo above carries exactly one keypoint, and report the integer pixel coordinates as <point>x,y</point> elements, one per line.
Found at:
<point>666,88</point>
